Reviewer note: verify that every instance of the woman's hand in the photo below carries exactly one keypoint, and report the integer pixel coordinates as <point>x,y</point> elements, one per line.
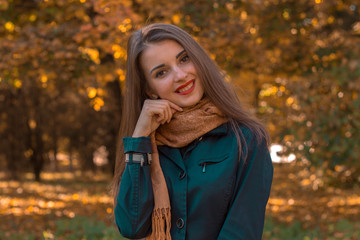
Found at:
<point>154,113</point>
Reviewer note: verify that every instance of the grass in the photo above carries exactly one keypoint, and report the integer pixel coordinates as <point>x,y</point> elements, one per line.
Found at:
<point>74,206</point>
<point>91,228</point>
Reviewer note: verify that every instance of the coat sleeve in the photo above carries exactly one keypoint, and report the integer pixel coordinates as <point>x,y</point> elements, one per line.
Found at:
<point>246,215</point>
<point>135,200</point>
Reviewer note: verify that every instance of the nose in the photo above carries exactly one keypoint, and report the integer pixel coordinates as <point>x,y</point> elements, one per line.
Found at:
<point>180,74</point>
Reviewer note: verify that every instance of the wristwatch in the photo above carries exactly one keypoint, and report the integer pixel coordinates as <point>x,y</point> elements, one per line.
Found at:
<point>138,158</point>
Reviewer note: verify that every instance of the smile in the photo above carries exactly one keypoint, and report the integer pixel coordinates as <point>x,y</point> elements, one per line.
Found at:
<point>186,88</point>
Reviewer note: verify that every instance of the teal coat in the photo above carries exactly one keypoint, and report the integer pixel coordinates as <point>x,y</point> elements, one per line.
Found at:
<point>213,195</point>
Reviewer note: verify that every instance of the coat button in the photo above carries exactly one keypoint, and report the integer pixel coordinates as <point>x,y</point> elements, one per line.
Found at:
<point>182,174</point>
<point>180,223</point>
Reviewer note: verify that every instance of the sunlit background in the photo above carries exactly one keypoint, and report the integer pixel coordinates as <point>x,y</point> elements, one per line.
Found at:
<point>295,64</point>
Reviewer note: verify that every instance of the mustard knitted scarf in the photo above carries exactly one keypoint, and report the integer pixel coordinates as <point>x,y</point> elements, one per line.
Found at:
<point>183,128</point>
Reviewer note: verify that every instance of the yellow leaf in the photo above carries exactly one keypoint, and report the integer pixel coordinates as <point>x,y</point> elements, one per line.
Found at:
<point>28,153</point>
<point>176,18</point>
<point>97,108</point>
<point>277,201</point>
<point>17,83</point>
<point>44,78</point>
<point>243,15</point>
<point>305,182</point>
<point>75,196</point>
<point>339,168</point>
<point>330,20</point>
<point>122,28</point>
<point>286,15</point>
<point>98,103</point>
<point>127,21</point>
<point>92,53</point>
<point>116,47</point>
<point>314,21</point>
<point>32,18</point>
<point>32,124</point>
<point>9,26</point>
<point>117,55</point>
<point>30,209</point>
<point>289,101</point>
<point>100,92</point>
<point>109,210</point>
<point>91,92</point>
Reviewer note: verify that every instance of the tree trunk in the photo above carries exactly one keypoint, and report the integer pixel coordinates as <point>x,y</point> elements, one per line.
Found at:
<point>71,164</point>
<point>38,156</point>
<point>13,154</point>
<point>54,148</point>
<point>257,90</point>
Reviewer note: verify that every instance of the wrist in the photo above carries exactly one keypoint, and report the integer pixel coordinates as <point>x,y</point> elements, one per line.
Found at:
<point>139,134</point>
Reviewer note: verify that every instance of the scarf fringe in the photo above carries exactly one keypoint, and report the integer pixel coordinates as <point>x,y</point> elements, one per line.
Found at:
<point>160,217</point>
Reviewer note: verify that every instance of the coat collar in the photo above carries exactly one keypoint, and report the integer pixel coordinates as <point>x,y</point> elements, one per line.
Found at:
<point>219,131</point>
<point>174,154</point>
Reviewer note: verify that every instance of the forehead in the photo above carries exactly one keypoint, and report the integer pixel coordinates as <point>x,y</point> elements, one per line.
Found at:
<point>159,53</point>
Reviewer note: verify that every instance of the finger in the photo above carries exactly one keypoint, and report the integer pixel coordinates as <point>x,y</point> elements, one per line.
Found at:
<point>162,115</point>
<point>167,111</point>
<point>155,108</point>
<point>159,120</point>
<point>170,111</point>
<point>173,111</point>
<point>163,111</point>
<point>157,112</point>
<point>172,105</point>
<point>176,107</point>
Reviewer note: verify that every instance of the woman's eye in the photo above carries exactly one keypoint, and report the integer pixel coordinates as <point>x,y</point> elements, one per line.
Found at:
<point>184,59</point>
<point>160,73</point>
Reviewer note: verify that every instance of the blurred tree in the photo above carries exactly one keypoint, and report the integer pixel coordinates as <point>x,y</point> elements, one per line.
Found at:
<point>318,82</point>
<point>63,65</point>
<point>57,59</point>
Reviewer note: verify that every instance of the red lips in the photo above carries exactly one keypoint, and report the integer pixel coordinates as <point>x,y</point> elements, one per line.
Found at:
<point>184,85</point>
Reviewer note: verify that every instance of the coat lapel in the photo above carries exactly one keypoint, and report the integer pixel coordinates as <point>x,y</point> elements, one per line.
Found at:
<point>172,154</point>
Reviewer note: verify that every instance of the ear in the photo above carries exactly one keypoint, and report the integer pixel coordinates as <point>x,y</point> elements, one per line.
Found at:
<point>151,95</point>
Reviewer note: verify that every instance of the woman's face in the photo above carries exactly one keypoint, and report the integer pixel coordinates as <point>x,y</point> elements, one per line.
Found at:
<point>171,74</point>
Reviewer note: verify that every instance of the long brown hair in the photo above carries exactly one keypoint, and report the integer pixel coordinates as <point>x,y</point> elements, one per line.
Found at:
<point>213,80</point>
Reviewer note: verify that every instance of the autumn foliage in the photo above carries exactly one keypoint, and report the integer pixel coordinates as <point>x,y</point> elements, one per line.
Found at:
<point>296,64</point>
<point>63,63</point>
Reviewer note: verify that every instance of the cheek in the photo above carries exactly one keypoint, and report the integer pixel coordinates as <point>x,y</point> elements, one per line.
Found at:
<point>163,88</point>
<point>191,68</point>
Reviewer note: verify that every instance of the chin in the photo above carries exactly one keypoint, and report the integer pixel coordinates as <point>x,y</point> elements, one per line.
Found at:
<point>190,102</point>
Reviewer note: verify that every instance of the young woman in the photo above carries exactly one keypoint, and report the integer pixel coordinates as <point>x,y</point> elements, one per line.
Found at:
<point>197,163</point>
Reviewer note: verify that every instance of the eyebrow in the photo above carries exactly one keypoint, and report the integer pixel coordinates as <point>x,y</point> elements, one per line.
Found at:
<point>162,65</point>
<point>180,53</point>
